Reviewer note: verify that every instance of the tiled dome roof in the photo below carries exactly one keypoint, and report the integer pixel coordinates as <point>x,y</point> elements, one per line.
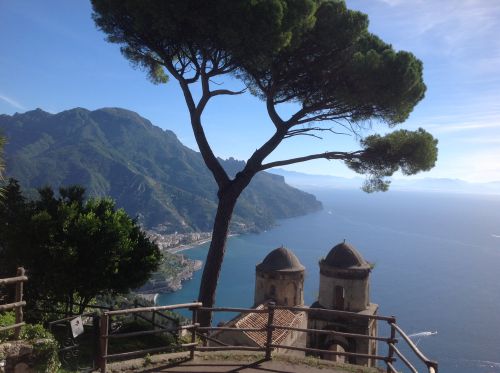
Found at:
<point>280,259</point>
<point>345,255</point>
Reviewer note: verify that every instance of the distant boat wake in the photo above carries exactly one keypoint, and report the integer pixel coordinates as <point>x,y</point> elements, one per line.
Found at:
<point>490,364</point>
<point>420,335</point>
<point>484,363</point>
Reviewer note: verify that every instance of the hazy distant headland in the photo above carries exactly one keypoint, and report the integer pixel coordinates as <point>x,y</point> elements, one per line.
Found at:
<point>308,181</point>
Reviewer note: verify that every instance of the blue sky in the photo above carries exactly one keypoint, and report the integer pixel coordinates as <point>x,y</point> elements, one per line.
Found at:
<point>54,58</point>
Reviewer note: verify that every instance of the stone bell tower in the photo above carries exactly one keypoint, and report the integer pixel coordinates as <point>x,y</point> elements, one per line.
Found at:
<point>344,285</point>
<point>280,278</point>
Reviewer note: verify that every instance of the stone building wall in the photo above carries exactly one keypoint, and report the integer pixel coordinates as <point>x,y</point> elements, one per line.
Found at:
<point>356,293</point>
<point>286,289</point>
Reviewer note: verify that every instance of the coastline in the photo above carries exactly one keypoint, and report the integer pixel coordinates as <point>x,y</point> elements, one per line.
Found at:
<point>160,283</point>
<point>187,246</point>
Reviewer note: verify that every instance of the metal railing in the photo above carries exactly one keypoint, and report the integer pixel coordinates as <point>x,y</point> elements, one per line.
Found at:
<point>392,356</point>
<point>18,304</point>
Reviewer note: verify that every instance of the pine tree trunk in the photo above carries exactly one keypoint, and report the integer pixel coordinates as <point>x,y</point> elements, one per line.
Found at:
<point>215,256</point>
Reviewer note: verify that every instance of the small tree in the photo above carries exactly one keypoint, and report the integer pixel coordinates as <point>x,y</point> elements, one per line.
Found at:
<point>73,250</point>
<point>315,54</point>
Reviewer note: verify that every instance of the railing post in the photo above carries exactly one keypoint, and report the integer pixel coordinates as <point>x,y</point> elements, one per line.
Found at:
<point>390,354</point>
<point>269,338</point>
<point>96,324</point>
<point>19,298</point>
<point>193,331</point>
<point>432,366</point>
<point>108,321</point>
<point>135,306</point>
<point>104,342</point>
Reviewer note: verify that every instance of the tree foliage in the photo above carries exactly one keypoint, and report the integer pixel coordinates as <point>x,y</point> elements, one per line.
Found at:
<point>316,54</point>
<point>403,150</point>
<point>73,249</point>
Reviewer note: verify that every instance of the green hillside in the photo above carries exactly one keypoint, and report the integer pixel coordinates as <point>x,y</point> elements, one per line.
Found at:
<point>115,152</point>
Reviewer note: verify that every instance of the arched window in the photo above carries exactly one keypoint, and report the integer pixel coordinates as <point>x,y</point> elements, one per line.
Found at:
<point>338,301</point>
<point>272,291</point>
<point>332,357</point>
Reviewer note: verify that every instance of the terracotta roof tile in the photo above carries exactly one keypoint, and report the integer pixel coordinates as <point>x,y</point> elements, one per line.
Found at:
<point>259,320</point>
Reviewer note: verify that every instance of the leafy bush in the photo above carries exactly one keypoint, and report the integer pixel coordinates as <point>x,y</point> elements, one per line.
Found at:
<point>45,347</point>
<point>6,319</point>
<point>33,332</point>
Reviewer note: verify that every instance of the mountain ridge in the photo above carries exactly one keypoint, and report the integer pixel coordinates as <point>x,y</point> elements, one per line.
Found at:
<point>115,152</point>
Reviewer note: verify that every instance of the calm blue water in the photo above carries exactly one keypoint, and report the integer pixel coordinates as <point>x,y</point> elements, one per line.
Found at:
<point>437,260</point>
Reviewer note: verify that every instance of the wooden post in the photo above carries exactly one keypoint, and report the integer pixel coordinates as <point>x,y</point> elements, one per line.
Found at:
<point>19,298</point>
<point>390,354</point>
<point>135,306</point>
<point>96,325</point>
<point>193,331</point>
<point>432,366</point>
<point>108,320</point>
<point>104,342</point>
<point>269,339</point>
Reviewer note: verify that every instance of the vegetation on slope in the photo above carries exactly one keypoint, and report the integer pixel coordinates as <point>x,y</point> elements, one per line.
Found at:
<point>146,170</point>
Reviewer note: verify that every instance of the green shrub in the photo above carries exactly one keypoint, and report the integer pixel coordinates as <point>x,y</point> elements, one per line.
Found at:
<point>33,332</point>
<point>147,360</point>
<point>46,355</point>
<point>6,319</point>
<point>45,347</point>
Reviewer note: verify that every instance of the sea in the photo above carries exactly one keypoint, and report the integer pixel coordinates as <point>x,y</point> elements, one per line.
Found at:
<point>436,263</point>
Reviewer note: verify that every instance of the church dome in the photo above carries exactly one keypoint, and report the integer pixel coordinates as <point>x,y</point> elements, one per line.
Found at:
<point>345,256</point>
<point>280,259</point>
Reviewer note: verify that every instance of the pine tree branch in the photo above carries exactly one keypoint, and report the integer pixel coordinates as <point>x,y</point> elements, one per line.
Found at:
<point>220,175</point>
<point>327,155</point>
<point>273,114</point>
<point>306,132</point>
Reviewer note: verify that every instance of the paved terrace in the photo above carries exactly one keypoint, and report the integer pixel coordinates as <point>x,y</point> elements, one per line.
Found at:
<point>237,362</point>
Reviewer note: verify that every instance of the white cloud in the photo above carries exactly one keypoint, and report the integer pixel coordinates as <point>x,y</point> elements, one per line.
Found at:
<point>12,102</point>
<point>447,128</point>
<point>480,140</point>
<point>470,119</point>
<point>462,111</point>
<point>488,65</point>
<point>450,27</point>
<point>392,2</point>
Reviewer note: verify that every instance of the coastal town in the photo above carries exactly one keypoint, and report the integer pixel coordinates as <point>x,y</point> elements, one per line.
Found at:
<point>178,241</point>
<point>175,267</point>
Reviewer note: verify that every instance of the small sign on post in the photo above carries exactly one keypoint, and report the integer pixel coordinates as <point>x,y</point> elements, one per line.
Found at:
<point>76,326</point>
